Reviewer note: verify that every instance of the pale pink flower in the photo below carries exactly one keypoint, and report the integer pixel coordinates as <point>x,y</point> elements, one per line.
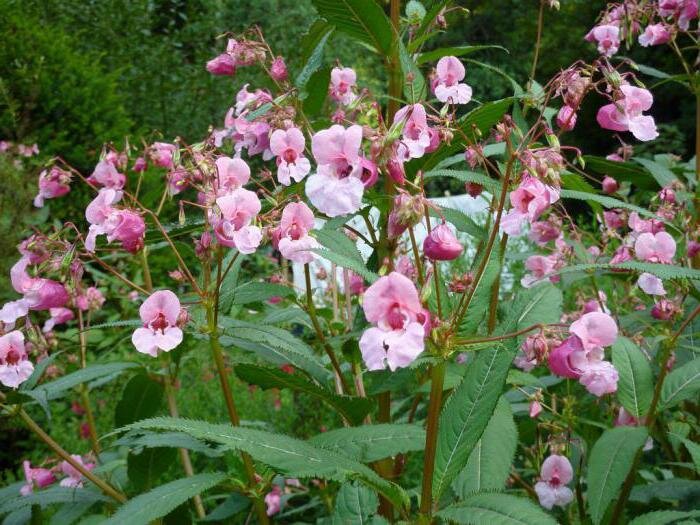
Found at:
<point>566,118</point>
<point>651,284</point>
<point>162,154</point>
<point>273,500</point>
<point>159,314</point>
<point>555,474</point>
<point>608,38</point>
<point>58,316</point>
<point>107,176</point>
<point>124,225</point>
<point>278,70</point>
<point>613,219</point>
<point>15,367</point>
<point>447,84</point>
<point>11,311</point>
<point>74,479</point>
<point>392,348</point>
<point>252,136</point>
<point>343,80</point>
<point>529,201</point>
<point>232,225</point>
<point>441,244</point>
<point>294,242</point>
<point>654,35</point>
<point>288,147</point>
<point>682,10</point>
<point>92,299</point>
<point>539,266</point>
<point>599,378</point>
<point>418,137</point>
<point>231,173</point>
<point>53,183</point>
<point>655,247</point>
<point>337,187</point>
<point>595,330</point>
<point>35,478</point>
<point>542,232</point>
<point>626,114</point>
<point>248,100</point>
<point>535,409</point>
<point>28,151</point>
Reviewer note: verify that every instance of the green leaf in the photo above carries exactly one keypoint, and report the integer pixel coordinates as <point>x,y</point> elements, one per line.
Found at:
<point>141,399</point>
<point>610,462</point>
<point>461,221</point>
<point>354,504</point>
<point>496,509</point>
<point>285,454</point>
<point>372,442</point>
<point>363,20</point>
<point>160,501</point>
<point>489,463</point>
<point>480,301</point>
<point>336,241</point>
<point>488,183</point>
<point>253,292</point>
<point>467,412</point>
<point>312,46</point>
<point>415,90</point>
<point>316,91</point>
<point>662,271</point>
<point>635,388</point>
<point>607,202</point>
<point>664,517</point>
<point>457,51</point>
<point>231,506</point>
<point>694,450</point>
<point>681,384</point>
<point>228,286</point>
<point>146,468</point>
<point>58,387</point>
<point>349,263</point>
<point>167,439</point>
<point>354,409</point>
<point>275,345</point>
<point>50,496</point>
<point>661,173</point>
<point>622,171</point>
<point>539,304</point>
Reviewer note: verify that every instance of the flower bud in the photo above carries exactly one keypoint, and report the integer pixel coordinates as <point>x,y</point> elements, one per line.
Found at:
<point>278,70</point>
<point>473,189</point>
<point>441,244</point>
<point>610,185</point>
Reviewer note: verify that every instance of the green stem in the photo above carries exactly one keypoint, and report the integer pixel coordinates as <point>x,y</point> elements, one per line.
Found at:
<point>84,392</point>
<point>538,41</point>
<point>437,377</point>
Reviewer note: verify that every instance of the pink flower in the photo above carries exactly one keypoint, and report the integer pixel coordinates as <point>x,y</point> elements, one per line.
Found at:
<point>230,174</point>
<point>288,147</point>
<point>159,314</point>
<point>664,310</point>
<point>607,37</point>
<point>36,478</point>
<point>555,474</point>
<point>599,378</point>
<point>392,348</point>
<point>535,409</point>
<point>651,284</point>
<point>562,357</point>
<point>654,35</point>
<point>11,311</point>
<point>441,244</point>
<point>15,367</point>
<point>566,118</point>
<point>28,151</point>
<point>626,114</point>
<point>106,175</point>
<point>542,232</point>
<point>232,225</point>
<point>639,225</point>
<point>343,79</point>
<point>693,248</point>
<point>252,136</point>
<point>278,70</point>
<point>655,247</point>
<point>667,195</point>
<point>273,501</point>
<point>53,183</point>
<point>529,201</point>
<point>224,64</point>
<point>295,243</point>
<point>418,137</point>
<point>247,100</point>
<point>337,187</point>
<point>610,185</point>
<point>126,226</point>
<point>162,154</point>
<point>446,84</point>
<point>356,284</point>
<point>92,299</point>
<point>595,330</point>
<point>74,479</point>
<point>540,267</point>
<point>682,10</point>
<point>613,219</point>
<point>140,165</point>
<point>58,316</point>
<point>39,293</point>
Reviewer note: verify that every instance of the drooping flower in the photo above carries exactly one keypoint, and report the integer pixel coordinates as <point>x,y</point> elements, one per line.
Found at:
<point>293,239</point>
<point>441,244</point>
<point>539,267</point>
<point>561,358</point>
<point>106,175</point>
<point>651,284</point>
<point>337,187</point>
<point>162,154</point>
<point>36,478</point>
<point>654,35</point>
<point>11,311</point>
<point>231,173</point>
<point>608,38</point>
<point>232,224</point>
<point>223,65</point>
<point>447,84</point>
<point>278,70</point>
<point>595,330</point>
<point>555,474</point>
<point>655,247</point>
<point>566,118</point>
<point>39,293</point>
<point>58,316</point>
<point>53,183</point>
<point>343,80</point>
<point>529,201</point>
<point>74,479</point>
<point>683,11</point>
<point>626,114</point>
<point>159,313</point>
<point>535,409</point>
<point>124,225</point>
<point>418,137</point>
<point>288,147</point>
<point>273,500</point>
<point>15,366</point>
<point>599,378</point>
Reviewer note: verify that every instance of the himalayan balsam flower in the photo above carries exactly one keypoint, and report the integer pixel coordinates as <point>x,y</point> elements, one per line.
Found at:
<point>447,84</point>
<point>529,201</point>
<point>39,293</point>
<point>655,247</point>
<point>278,70</point>
<point>441,244</point>
<point>393,305</point>
<point>610,185</point>
<point>159,313</point>
<point>232,225</point>
<point>566,118</point>
<point>123,225</point>
<point>625,114</point>
<point>555,474</point>
<point>107,176</point>
<point>292,235</point>
<point>11,311</point>
<point>288,147</point>
<point>655,35</point>
<point>53,183</point>
<point>15,367</point>
<point>36,478</point>
<point>74,479</point>
<point>651,284</point>
<point>539,266</point>
<point>273,500</point>
<point>682,10</point>
<point>607,37</point>
<point>343,79</point>
<point>58,316</point>
<point>417,136</point>
<point>230,174</point>
<point>162,154</point>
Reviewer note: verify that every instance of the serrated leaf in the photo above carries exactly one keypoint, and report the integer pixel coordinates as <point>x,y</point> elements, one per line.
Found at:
<point>372,442</point>
<point>312,48</point>
<point>694,451</point>
<point>228,286</point>
<point>50,496</point>
<point>539,304</point>
<point>141,399</point>
<point>610,461</point>
<point>622,171</point>
<point>349,263</point>
<point>635,388</point>
<point>316,91</point>
<point>496,509</point>
<point>681,384</point>
<point>457,51</point>
<point>415,90</point>
<point>354,409</point>
<point>362,20</point>
<point>336,241</point>
<point>158,502</point>
<point>56,388</point>
<point>662,175</point>
<point>275,345</point>
<point>460,220</point>
<point>664,517</point>
<point>285,454</point>
<point>488,183</point>
<point>354,504</point>
<point>607,202</point>
<point>489,463</point>
<point>253,292</point>
<point>146,468</point>
<point>467,412</point>
<point>662,271</point>
<point>480,300</point>
<point>167,439</point>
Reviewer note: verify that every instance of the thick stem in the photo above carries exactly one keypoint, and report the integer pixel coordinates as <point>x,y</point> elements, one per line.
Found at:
<point>437,377</point>
<point>61,452</point>
<point>416,255</point>
<point>147,281</point>
<point>496,287</point>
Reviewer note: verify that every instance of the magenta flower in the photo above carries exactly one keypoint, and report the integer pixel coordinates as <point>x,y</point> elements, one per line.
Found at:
<point>124,225</point>
<point>535,409</point>
<point>39,293</point>
<point>53,183</point>
<point>555,474</point>
<point>651,284</point>
<point>231,173</point>
<point>595,330</point>
<point>655,35</point>
<point>447,84</point>
<point>273,500</point>
<point>74,479</point>
<point>608,38</point>
<point>159,313</point>
<point>294,241</point>
<point>251,136</point>
<point>441,244</point>
<point>610,185</point>
<point>58,316</point>
<point>107,176</point>
<point>343,80</point>
<point>626,114</point>
<point>162,154</point>
<point>566,118</point>
<point>682,10</point>
<point>232,225</point>
<point>529,201</point>
<point>541,232</point>
<point>15,367</point>
<point>36,478</point>
<point>288,147</point>
<point>337,187</point>
<point>655,247</point>
<point>561,358</point>
<point>417,136</point>
<point>222,65</point>
<point>278,70</point>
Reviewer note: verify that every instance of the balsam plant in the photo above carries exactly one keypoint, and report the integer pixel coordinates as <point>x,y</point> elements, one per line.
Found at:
<point>458,397</point>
